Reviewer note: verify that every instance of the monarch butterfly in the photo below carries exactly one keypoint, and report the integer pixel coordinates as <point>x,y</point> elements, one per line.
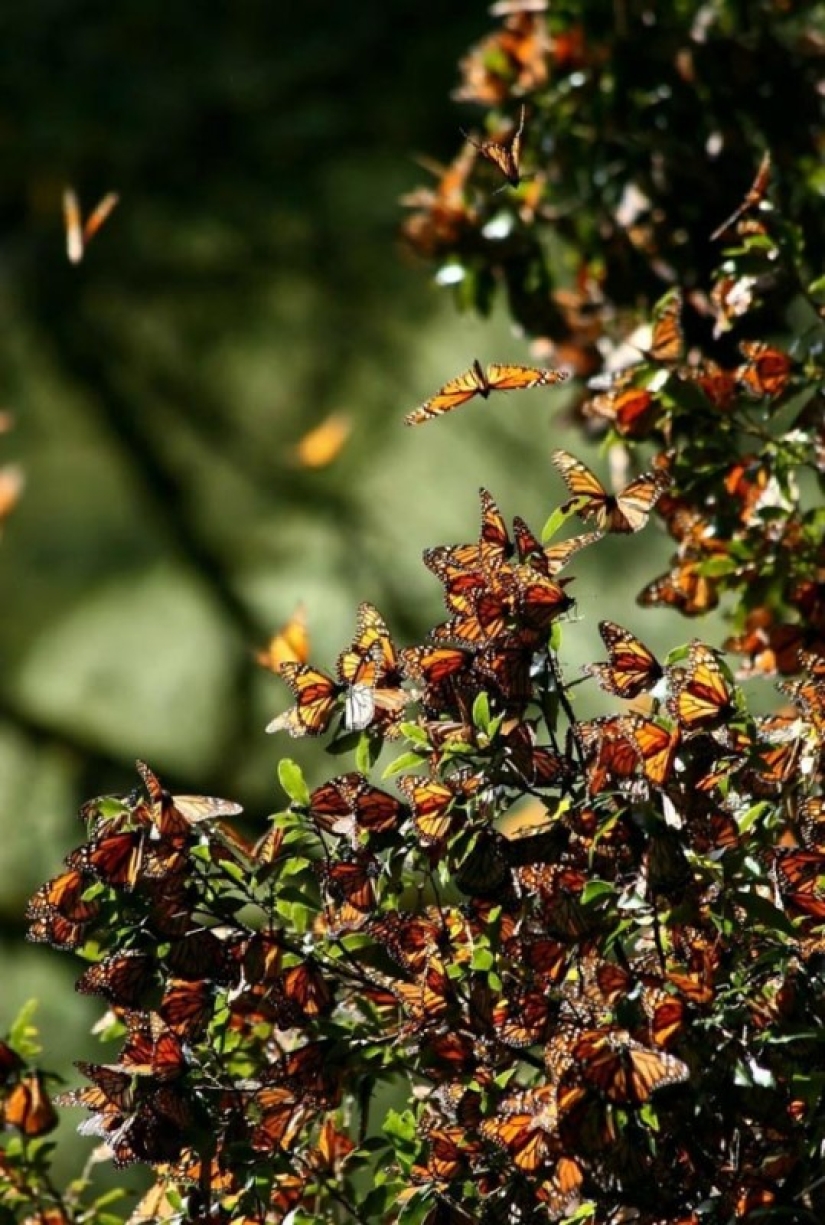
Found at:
<point>685,588</point>
<point>755,195</point>
<point>624,1070</point>
<point>521,1018</point>
<point>627,511</point>
<point>289,643</point>
<point>444,673</point>
<point>324,443</point>
<point>63,894</point>
<point>151,1048</point>
<point>186,1006</point>
<point>349,803</point>
<point>432,801</point>
<point>281,1117</point>
<point>766,371</point>
<point>667,340</point>
<point>350,880</point>
<point>28,1107</point>
<point>371,669</point>
<point>79,233</point>
<point>504,155</point>
<point>192,808</point>
<point>811,819</point>
<point>123,978</point>
<point>304,986</point>
<point>632,668</point>
<point>633,411</point>
<point>656,747</point>
<point>485,872</point>
<point>317,699</point>
<point>799,874</point>
<point>550,559</point>
<point>477,382</point>
<point>609,750</point>
<point>702,697</point>
<point>527,1125</point>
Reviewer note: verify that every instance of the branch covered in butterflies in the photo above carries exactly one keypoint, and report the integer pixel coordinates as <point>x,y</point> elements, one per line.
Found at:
<point>564,936</point>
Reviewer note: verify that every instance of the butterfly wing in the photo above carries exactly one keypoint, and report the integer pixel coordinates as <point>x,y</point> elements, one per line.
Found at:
<point>520,378</point>
<point>457,391</point>
<point>632,668</point>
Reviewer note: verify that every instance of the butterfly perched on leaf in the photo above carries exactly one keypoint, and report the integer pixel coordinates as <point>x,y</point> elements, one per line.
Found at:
<point>627,511</point>
<point>479,382</point>
<point>504,155</point>
<point>632,668</point>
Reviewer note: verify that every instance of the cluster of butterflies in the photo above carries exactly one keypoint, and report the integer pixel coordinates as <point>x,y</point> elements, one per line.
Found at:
<point>503,595</point>
<point>555,1035</point>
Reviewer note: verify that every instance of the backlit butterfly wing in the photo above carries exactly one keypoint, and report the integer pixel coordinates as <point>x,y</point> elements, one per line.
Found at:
<point>667,342</point>
<point>476,382</point>
<point>463,387</point>
<point>290,643</point>
<point>193,808</point>
<point>28,1107</point>
<point>702,697</point>
<point>627,511</point>
<point>766,371</point>
<point>520,378</point>
<point>632,668</point>
<point>684,588</point>
<point>625,1071</point>
<point>317,700</point>
<point>504,155</point>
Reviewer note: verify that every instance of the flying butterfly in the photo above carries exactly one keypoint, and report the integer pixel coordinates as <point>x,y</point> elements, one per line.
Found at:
<point>627,511</point>
<point>504,155</point>
<point>289,643</point>
<point>478,382</point>
<point>632,668</point>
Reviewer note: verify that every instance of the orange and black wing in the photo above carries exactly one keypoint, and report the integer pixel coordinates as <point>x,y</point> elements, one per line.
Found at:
<point>702,697</point>
<point>521,378</point>
<point>463,387</point>
<point>317,699</point>
<point>631,669</point>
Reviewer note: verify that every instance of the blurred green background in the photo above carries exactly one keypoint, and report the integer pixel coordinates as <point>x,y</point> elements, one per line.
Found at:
<point>249,283</point>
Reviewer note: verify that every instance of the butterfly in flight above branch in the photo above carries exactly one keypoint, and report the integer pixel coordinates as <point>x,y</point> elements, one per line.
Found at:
<point>627,511</point>
<point>504,155</point>
<point>478,382</point>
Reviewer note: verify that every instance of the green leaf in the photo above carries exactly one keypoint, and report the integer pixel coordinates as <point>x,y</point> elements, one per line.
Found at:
<point>595,889</point>
<point>481,712</point>
<point>291,778</point>
<point>407,761</point>
<point>557,520</point>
